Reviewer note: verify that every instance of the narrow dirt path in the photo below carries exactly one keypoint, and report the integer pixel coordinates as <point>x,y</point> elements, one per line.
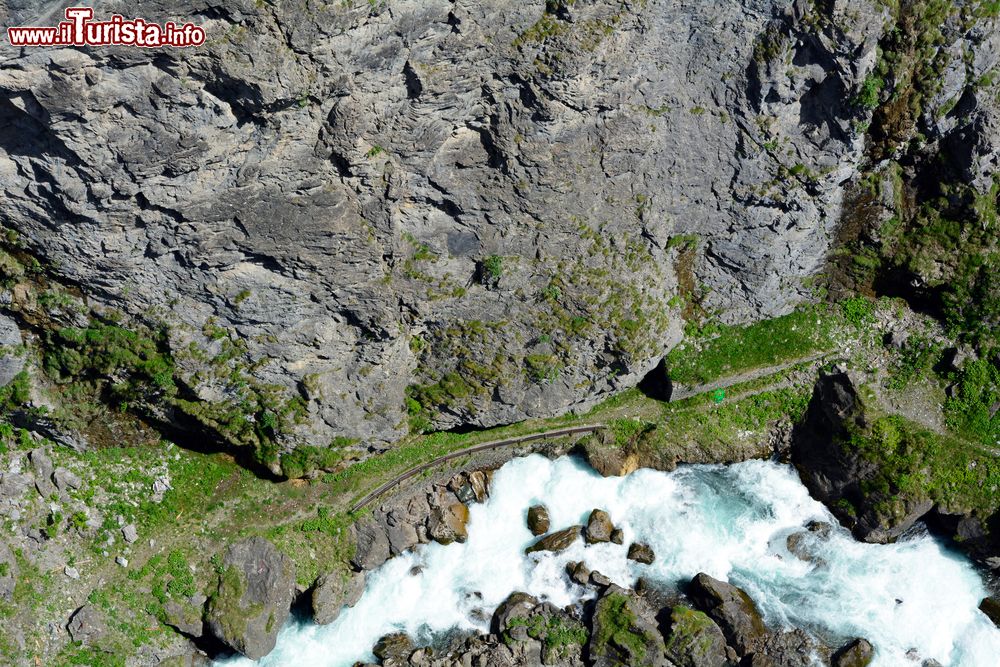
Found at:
<point>494,444</point>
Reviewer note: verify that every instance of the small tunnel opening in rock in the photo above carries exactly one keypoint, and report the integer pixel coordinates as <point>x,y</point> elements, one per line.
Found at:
<point>656,384</point>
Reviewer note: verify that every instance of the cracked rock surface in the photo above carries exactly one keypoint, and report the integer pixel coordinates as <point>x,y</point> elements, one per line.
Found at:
<point>494,204</point>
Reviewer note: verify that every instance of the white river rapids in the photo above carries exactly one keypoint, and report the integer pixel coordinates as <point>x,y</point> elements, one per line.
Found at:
<point>728,521</point>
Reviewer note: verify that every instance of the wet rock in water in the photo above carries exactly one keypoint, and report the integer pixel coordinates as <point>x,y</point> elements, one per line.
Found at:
<point>822,529</point>
<point>618,536</point>
<point>395,647</point>
<point>517,605</point>
<point>694,640</point>
<point>858,653</point>
<point>599,527</point>
<point>578,572</point>
<point>448,524</point>
<point>624,632</point>
<point>557,541</point>
<point>641,553</point>
<point>798,545</point>
<point>732,609</point>
<point>87,625</point>
<point>372,545</point>
<point>253,598</point>
<point>599,580</point>
<point>538,520</point>
<point>333,591</point>
<point>991,607</point>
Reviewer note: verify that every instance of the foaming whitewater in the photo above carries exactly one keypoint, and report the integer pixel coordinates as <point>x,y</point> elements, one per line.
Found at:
<point>729,521</point>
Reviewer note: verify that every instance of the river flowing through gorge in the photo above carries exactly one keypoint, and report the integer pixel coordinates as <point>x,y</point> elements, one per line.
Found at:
<point>914,600</point>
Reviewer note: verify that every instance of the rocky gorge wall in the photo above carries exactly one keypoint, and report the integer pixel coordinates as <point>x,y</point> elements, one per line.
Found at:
<point>430,214</point>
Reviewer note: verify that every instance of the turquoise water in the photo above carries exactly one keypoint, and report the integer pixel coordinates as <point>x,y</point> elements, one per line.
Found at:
<point>729,521</point>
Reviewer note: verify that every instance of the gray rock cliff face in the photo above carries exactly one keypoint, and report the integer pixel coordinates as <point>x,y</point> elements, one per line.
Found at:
<point>502,206</point>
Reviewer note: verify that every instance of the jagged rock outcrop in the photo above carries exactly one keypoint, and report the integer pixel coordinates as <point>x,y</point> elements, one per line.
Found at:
<point>332,592</point>
<point>443,213</point>
<point>253,599</point>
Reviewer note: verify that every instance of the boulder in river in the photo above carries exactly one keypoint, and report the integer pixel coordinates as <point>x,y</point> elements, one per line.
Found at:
<point>517,605</point>
<point>694,640</point>
<point>538,519</point>
<point>394,648</point>
<point>624,632</point>
<point>253,598</point>
<point>732,609</point>
<point>557,541</point>
<point>448,524</point>
<point>991,607</point>
<point>858,653</point>
<point>618,536</point>
<point>333,591</point>
<point>641,553</point>
<point>599,527</point>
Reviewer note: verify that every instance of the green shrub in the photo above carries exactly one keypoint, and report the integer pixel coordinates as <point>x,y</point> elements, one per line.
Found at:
<point>969,411</point>
<point>858,310</point>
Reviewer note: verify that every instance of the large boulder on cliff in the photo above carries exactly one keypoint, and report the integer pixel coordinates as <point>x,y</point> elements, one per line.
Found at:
<point>332,592</point>
<point>609,457</point>
<point>732,609</point>
<point>624,632</point>
<point>845,477</point>
<point>371,545</point>
<point>253,598</point>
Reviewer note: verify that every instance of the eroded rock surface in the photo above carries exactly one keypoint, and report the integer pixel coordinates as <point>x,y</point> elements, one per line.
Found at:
<point>369,197</point>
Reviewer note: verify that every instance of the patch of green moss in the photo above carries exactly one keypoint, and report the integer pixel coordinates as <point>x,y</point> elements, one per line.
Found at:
<point>719,351</point>
<point>914,463</point>
<point>616,627</point>
<point>691,632</point>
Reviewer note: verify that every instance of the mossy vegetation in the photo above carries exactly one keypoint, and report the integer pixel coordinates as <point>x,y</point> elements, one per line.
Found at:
<point>915,463</point>
<point>556,634</point>
<point>718,350</point>
<point>691,632</point>
<point>615,628</point>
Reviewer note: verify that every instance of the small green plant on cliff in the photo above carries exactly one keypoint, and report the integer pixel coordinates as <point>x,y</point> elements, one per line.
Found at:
<point>870,92</point>
<point>492,269</point>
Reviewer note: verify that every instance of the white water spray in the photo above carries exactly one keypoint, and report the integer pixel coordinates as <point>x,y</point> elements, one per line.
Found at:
<point>730,522</point>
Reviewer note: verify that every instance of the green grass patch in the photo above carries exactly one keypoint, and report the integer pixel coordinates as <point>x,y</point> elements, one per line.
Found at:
<point>728,350</point>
